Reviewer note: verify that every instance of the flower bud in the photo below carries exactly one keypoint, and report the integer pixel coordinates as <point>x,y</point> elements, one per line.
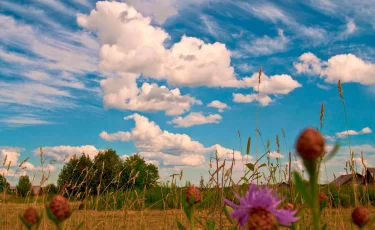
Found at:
<point>193,191</point>
<point>322,197</point>
<point>31,216</point>
<point>360,216</point>
<point>310,144</point>
<point>59,207</point>
<point>288,206</point>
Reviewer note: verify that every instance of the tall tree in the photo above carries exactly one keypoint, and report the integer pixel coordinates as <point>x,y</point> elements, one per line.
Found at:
<point>75,176</point>
<point>107,167</point>
<point>138,173</point>
<point>24,186</point>
<point>4,185</point>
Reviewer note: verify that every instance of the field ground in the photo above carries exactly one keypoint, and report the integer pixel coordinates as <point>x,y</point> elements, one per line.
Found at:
<point>147,219</point>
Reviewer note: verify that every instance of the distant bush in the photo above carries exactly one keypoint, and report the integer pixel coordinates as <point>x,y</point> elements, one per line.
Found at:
<point>24,186</point>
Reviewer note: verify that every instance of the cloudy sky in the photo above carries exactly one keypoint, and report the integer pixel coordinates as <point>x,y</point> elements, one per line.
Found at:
<point>175,80</point>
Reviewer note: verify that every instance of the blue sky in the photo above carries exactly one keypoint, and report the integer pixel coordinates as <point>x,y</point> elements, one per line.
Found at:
<point>175,80</point>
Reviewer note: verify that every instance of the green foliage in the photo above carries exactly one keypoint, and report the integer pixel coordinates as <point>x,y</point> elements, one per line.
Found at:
<point>75,176</point>
<point>4,185</point>
<point>24,186</point>
<point>107,167</point>
<point>137,173</point>
<point>50,189</point>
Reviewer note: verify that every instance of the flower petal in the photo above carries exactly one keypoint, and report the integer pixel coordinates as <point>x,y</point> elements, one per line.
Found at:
<point>285,217</point>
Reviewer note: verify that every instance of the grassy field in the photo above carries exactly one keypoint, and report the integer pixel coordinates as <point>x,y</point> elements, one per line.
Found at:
<point>146,219</point>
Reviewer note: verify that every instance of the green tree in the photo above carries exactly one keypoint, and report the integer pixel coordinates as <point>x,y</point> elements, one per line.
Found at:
<point>24,186</point>
<point>138,173</point>
<point>107,167</point>
<point>75,176</point>
<point>50,189</point>
<point>4,185</point>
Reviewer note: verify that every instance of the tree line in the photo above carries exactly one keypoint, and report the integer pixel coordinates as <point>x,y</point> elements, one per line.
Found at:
<point>107,172</point>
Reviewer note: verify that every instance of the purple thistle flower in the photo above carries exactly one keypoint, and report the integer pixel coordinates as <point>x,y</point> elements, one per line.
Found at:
<point>261,198</point>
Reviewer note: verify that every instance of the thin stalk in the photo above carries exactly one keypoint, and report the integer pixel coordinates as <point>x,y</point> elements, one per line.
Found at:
<point>315,201</point>
<point>191,221</point>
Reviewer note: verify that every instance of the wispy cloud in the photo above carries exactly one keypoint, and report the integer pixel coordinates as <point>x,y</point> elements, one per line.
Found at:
<point>262,46</point>
<point>22,120</point>
<point>58,6</point>
<point>271,13</point>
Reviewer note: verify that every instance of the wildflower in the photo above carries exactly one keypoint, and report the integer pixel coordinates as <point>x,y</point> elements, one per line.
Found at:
<point>360,216</point>
<point>31,216</point>
<point>258,209</point>
<point>193,191</point>
<point>59,207</point>
<point>310,144</point>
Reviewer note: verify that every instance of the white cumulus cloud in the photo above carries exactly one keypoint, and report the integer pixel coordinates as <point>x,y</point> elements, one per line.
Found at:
<point>219,105</point>
<point>344,67</point>
<point>344,134</point>
<point>64,152</point>
<point>158,144</point>
<point>195,119</point>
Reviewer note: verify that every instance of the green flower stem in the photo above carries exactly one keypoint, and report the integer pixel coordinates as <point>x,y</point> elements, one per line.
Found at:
<point>191,221</point>
<point>59,226</point>
<point>315,202</point>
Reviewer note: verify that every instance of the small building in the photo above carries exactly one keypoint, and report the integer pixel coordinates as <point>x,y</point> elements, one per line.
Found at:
<point>348,180</point>
<point>36,190</point>
<point>370,176</point>
<point>283,185</point>
<point>13,189</point>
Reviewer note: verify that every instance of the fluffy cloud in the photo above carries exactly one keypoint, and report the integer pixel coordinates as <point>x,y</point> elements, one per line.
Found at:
<point>172,160</point>
<point>195,119</point>
<point>159,144</point>
<point>131,44</point>
<point>264,100</point>
<point>275,154</point>
<point>158,10</point>
<point>277,84</point>
<point>64,152</point>
<point>344,134</point>
<point>9,155</point>
<point>123,93</point>
<point>344,67</point>
<point>219,105</point>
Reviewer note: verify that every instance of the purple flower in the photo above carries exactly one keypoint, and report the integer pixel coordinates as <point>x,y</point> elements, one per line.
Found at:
<point>264,199</point>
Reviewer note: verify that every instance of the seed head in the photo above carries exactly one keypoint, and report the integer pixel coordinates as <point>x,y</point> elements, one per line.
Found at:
<point>31,216</point>
<point>310,144</point>
<point>193,191</point>
<point>360,216</point>
<point>261,219</point>
<point>59,206</point>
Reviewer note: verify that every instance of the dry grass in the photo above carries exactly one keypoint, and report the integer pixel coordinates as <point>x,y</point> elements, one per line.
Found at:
<point>143,220</point>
